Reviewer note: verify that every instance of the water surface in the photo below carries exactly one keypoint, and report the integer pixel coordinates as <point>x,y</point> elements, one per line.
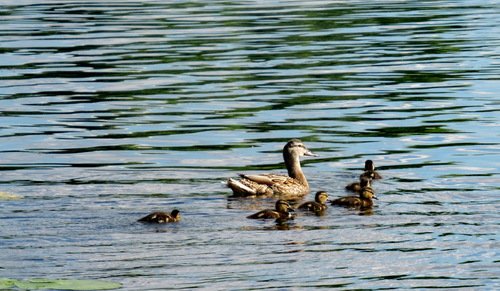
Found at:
<point>110,110</point>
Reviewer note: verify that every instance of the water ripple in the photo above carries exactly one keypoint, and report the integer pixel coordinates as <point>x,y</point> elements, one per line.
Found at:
<point>109,111</point>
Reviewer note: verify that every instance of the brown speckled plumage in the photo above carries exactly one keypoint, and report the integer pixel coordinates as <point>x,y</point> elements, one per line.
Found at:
<point>295,184</point>
<point>162,217</point>
<point>357,186</point>
<point>282,211</point>
<point>319,203</point>
<point>364,200</point>
<point>369,173</point>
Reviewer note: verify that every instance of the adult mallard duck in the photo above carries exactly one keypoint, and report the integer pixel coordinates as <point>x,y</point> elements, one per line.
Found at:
<point>295,184</point>
<point>364,200</point>
<point>162,217</point>
<point>318,205</point>
<point>282,211</point>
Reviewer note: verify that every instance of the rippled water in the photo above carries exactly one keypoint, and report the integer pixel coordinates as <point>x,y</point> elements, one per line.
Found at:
<point>112,109</point>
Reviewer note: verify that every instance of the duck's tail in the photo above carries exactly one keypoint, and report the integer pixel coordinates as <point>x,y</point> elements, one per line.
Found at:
<point>240,189</point>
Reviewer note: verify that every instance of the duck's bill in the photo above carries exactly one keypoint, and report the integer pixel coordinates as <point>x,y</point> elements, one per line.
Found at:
<point>310,154</point>
<point>375,197</point>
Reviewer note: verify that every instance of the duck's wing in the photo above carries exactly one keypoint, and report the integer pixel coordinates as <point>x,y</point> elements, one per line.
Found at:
<point>248,188</point>
<point>312,206</point>
<point>264,214</point>
<point>156,217</point>
<point>371,175</point>
<point>349,201</point>
<point>354,187</point>
<point>266,185</point>
<point>266,179</point>
<point>273,184</point>
<point>377,176</point>
<point>307,206</point>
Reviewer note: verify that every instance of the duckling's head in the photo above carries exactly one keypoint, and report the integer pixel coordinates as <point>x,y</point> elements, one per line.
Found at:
<point>369,165</point>
<point>176,214</point>
<point>365,181</point>
<point>295,147</point>
<point>321,197</point>
<point>367,193</point>
<point>283,206</point>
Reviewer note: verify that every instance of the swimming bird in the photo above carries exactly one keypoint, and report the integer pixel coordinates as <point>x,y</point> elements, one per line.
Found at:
<point>364,200</point>
<point>370,170</point>
<point>369,173</point>
<point>319,203</point>
<point>162,217</point>
<point>357,186</point>
<point>282,211</point>
<point>295,184</point>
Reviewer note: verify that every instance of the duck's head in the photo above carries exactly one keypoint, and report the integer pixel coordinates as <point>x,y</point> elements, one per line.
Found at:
<point>295,147</point>
<point>321,197</point>
<point>365,181</point>
<point>367,193</point>
<point>369,165</point>
<point>176,214</point>
<point>283,206</point>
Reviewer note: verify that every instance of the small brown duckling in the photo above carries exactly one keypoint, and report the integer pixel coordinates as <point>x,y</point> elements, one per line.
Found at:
<point>357,186</point>
<point>364,200</point>
<point>370,170</point>
<point>282,211</point>
<point>319,203</point>
<point>162,217</point>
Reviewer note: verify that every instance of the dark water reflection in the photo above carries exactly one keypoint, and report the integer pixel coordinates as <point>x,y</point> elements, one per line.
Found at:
<point>110,110</point>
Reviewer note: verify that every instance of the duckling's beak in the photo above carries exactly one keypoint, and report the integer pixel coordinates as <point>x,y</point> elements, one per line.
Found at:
<point>310,154</point>
<point>291,210</point>
<point>374,197</point>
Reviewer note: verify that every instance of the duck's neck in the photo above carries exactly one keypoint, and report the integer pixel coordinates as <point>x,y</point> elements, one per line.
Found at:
<point>292,163</point>
<point>364,192</point>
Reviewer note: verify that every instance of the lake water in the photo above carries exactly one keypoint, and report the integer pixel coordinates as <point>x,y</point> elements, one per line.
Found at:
<point>112,109</point>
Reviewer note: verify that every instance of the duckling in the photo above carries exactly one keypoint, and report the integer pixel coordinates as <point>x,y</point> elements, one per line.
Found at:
<point>295,184</point>
<point>282,211</point>
<point>364,200</point>
<point>370,170</point>
<point>162,217</point>
<point>357,186</point>
<point>319,203</point>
